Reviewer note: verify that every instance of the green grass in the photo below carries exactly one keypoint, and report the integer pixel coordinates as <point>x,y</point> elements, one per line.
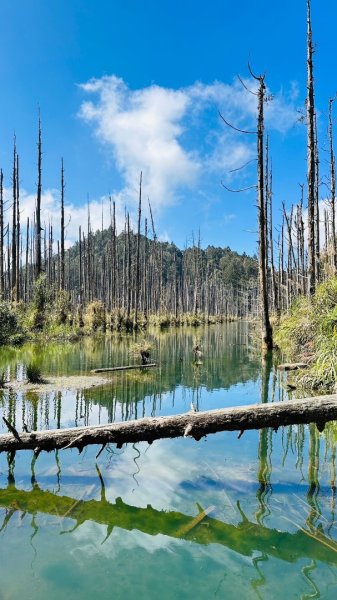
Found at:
<point>309,333</point>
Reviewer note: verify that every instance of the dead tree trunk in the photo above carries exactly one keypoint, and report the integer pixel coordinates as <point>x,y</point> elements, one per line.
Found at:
<point>17,265</point>
<point>332,191</point>
<point>319,410</point>
<point>62,261</point>
<point>311,166</point>
<point>38,259</point>
<point>14,223</point>
<point>137,289</point>
<point>2,282</point>
<point>267,332</point>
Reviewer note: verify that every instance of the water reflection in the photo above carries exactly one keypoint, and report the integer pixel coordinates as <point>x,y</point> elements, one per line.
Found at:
<point>229,360</point>
<point>245,537</point>
<point>178,518</point>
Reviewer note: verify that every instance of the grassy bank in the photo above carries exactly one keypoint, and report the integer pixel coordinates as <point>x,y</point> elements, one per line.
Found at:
<point>308,333</point>
<point>59,320</point>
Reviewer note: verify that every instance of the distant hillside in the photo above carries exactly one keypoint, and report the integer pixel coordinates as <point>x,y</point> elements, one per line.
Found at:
<point>153,276</point>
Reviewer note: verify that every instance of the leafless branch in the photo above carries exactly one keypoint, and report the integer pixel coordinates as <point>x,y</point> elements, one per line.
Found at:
<point>241,190</point>
<point>243,166</point>
<point>236,128</point>
<point>256,77</point>
<point>244,85</point>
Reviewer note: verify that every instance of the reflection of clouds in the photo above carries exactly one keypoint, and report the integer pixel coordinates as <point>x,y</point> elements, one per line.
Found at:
<point>118,541</point>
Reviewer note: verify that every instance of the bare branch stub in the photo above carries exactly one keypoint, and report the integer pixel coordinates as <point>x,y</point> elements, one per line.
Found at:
<point>12,429</point>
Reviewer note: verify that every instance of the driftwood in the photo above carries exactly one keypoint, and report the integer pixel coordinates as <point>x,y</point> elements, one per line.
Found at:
<point>292,366</point>
<point>106,369</point>
<point>319,410</point>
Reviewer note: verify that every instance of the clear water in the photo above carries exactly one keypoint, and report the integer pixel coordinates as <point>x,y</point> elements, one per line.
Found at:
<point>224,517</point>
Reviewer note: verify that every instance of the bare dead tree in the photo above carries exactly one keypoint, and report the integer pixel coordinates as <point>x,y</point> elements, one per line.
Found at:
<point>311,165</point>
<point>137,288</point>
<point>17,266</point>
<point>62,259</point>
<point>332,191</point>
<point>38,256</point>
<point>2,281</point>
<point>267,332</point>
<point>14,240</point>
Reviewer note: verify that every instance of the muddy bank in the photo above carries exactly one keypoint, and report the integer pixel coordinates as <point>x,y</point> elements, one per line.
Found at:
<point>58,384</point>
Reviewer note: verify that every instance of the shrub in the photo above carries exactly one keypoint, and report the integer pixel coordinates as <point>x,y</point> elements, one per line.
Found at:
<point>62,307</point>
<point>141,348</point>
<point>8,323</point>
<point>309,332</point>
<point>33,373</point>
<point>41,298</point>
<point>94,317</point>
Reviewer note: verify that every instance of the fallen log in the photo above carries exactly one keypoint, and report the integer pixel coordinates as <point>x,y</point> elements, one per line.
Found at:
<point>106,369</point>
<point>319,410</point>
<point>292,366</point>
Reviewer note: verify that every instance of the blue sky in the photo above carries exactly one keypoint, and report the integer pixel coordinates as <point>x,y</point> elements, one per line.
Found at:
<point>125,86</point>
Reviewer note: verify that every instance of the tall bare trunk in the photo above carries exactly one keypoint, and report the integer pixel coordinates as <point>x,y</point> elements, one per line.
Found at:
<point>2,282</point>
<point>62,262</point>
<point>311,166</point>
<point>267,332</point>
<point>38,259</point>
<point>332,191</point>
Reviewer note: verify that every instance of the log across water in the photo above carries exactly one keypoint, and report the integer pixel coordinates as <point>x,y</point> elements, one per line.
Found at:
<point>319,410</point>
<point>127,368</point>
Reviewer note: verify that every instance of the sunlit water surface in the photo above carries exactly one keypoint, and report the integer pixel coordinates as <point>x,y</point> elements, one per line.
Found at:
<point>221,518</point>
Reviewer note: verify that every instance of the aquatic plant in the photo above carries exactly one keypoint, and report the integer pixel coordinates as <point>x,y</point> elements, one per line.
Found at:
<point>33,373</point>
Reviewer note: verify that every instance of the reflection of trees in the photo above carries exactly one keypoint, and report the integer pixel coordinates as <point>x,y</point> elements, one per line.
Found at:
<point>244,538</point>
<point>227,360</point>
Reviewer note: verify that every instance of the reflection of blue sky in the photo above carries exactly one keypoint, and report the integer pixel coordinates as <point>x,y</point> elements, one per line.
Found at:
<point>173,475</point>
<point>169,475</point>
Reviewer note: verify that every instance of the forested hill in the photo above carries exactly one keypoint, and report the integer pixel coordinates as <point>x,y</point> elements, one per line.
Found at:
<point>149,276</point>
<point>235,269</point>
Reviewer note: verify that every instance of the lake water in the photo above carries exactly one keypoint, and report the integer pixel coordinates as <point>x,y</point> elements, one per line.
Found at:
<point>221,518</point>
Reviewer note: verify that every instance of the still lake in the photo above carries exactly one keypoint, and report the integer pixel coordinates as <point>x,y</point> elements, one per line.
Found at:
<point>221,518</point>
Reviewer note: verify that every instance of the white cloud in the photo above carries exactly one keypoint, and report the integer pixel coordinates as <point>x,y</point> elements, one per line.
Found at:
<point>143,127</point>
<point>75,216</point>
<point>175,136</point>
